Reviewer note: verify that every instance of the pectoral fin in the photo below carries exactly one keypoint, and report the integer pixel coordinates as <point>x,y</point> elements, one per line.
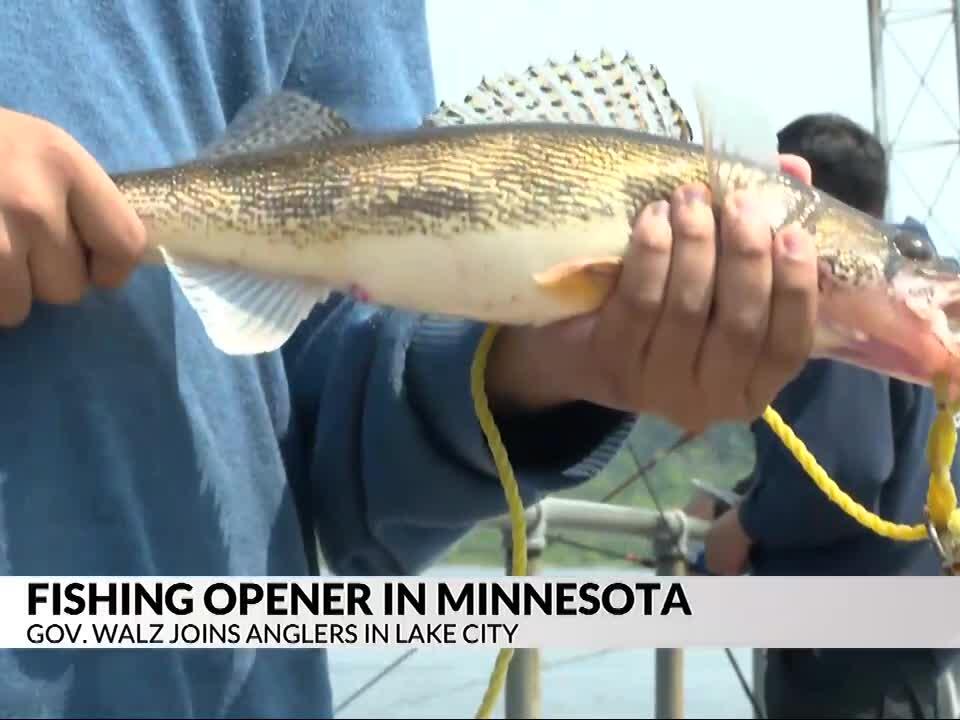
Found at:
<point>584,282</point>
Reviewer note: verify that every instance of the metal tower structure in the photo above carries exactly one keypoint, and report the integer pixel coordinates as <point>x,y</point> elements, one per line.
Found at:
<point>915,68</point>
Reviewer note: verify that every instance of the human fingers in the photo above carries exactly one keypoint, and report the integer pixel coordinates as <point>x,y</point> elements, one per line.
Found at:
<point>15,289</point>
<point>670,364</point>
<point>793,311</point>
<point>37,216</point>
<point>105,222</point>
<point>798,167</point>
<point>727,546</point>
<point>623,328</point>
<point>738,326</point>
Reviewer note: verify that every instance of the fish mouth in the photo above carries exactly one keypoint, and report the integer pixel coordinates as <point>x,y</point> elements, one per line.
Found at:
<point>906,327</point>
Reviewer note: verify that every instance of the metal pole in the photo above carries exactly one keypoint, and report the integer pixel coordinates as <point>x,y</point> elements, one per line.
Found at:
<point>956,39</point>
<point>947,692</point>
<point>522,693</point>
<point>607,518</point>
<point>875,18</point>
<point>670,553</point>
<point>759,662</point>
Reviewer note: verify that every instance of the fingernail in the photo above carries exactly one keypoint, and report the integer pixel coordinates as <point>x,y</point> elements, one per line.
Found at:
<point>660,208</point>
<point>694,196</point>
<point>794,245</point>
<point>746,205</point>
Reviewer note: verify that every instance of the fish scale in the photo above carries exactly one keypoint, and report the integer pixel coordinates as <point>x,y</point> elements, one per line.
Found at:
<point>513,206</point>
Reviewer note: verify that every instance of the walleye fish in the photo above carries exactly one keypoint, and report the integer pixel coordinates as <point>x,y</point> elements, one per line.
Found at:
<point>514,206</point>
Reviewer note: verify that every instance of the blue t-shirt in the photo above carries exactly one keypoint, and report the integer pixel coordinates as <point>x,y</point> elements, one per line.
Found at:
<point>130,445</point>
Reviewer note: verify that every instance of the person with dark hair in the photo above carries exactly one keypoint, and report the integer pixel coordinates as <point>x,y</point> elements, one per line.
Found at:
<point>869,433</point>
<point>847,161</point>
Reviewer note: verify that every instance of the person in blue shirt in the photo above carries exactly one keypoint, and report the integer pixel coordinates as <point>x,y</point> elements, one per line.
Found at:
<point>869,432</point>
<point>131,446</point>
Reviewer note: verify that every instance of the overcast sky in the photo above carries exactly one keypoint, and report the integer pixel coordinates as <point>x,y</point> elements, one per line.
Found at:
<point>787,57</point>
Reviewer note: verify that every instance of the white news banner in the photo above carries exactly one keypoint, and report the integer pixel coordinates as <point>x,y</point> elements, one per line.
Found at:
<point>615,612</point>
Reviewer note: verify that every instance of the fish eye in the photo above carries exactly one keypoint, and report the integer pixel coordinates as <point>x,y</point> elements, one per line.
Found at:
<point>913,247</point>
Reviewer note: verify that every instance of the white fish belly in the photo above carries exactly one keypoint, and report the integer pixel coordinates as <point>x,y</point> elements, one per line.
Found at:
<point>487,276</point>
<point>474,274</point>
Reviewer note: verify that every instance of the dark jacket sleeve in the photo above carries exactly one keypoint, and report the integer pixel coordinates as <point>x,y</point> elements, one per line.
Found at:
<point>397,465</point>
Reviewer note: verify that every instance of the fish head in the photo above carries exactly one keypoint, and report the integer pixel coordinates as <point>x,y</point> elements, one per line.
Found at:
<point>884,304</point>
<point>888,302</point>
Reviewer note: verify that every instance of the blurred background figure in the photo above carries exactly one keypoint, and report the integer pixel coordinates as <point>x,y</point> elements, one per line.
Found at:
<point>849,163</point>
<point>869,433</point>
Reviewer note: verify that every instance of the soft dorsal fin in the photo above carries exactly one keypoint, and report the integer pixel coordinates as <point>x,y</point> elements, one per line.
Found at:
<point>737,139</point>
<point>596,91</point>
<point>270,121</point>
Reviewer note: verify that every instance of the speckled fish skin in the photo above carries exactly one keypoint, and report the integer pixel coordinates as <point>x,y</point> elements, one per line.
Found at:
<point>466,204</point>
<point>449,220</point>
<point>519,222</point>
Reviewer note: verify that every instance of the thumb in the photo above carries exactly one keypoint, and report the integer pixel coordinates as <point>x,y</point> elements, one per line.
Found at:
<point>797,167</point>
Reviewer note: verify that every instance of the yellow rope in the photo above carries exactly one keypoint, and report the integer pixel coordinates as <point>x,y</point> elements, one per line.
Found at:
<point>941,446</point>
<point>518,521</point>
<point>941,497</point>
<point>833,492</point>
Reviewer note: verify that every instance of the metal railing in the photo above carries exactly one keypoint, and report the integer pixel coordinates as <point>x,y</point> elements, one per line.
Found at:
<point>670,532</point>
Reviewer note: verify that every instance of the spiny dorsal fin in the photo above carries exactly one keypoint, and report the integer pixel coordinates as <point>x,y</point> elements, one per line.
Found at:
<point>281,118</point>
<point>595,91</point>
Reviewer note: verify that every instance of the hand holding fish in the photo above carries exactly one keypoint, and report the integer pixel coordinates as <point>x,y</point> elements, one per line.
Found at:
<point>63,223</point>
<point>526,212</point>
<point>707,321</point>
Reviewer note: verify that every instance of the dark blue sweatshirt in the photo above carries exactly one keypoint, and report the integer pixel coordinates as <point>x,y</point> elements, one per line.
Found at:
<point>870,434</point>
<point>130,445</point>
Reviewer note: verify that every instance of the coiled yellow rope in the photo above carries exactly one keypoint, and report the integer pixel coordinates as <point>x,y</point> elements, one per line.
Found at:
<point>941,505</point>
